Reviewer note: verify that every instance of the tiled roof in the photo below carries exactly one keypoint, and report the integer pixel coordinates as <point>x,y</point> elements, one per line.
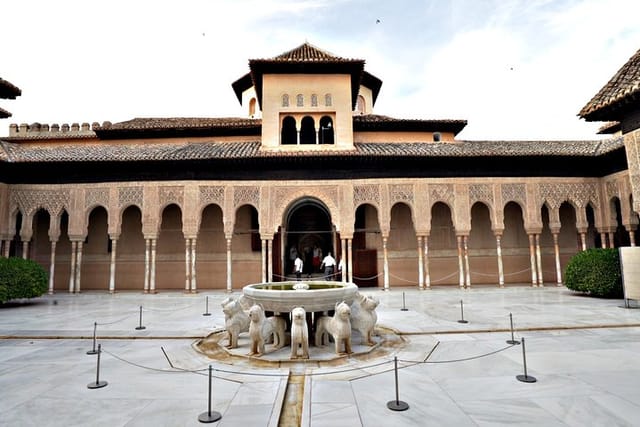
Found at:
<point>307,52</point>
<point>180,123</point>
<point>105,151</point>
<point>609,128</point>
<point>8,90</point>
<point>623,86</point>
<point>376,122</point>
<point>4,113</point>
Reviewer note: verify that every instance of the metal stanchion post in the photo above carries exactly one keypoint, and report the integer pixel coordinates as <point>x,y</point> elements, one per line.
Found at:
<point>512,341</point>
<point>209,416</point>
<point>525,378</point>
<point>206,312</point>
<point>404,307</point>
<point>397,405</point>
<point>98,383</point>
<point>462,314</point>
<point>93,350</point>
<point>140,327</point>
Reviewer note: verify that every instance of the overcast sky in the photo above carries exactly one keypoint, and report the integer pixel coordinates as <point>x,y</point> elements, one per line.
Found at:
<point>515,69</point>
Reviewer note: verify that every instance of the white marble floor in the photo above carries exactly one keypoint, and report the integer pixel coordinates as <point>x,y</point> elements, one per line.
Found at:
<point>584,352</point>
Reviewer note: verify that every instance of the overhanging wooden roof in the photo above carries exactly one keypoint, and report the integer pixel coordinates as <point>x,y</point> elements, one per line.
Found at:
<point>376,122</point>
<point>8,90</point>
<point>618,97</point>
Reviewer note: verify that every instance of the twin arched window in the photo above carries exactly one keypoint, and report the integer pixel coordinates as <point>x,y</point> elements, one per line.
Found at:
<point>308,135</point>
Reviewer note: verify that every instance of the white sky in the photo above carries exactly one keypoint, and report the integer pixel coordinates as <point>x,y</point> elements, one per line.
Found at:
<point>515,69</point>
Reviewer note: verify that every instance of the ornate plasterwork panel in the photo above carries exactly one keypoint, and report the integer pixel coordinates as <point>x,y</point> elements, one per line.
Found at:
<point>366,193</point>
<point>31,200</point>
<point>611,189</point>
<point>211,194</point>
<point>578,193</point>
<point>441,193</point>
<point>173,194</point>
<point>95,197</point>
<point>515,192</point>
<point>246,194</point>
<point>481,193</point>
<point>130,196</point>
<point>401,193</point>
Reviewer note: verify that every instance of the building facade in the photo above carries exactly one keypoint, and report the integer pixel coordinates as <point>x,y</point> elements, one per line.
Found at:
<point>192,203</point>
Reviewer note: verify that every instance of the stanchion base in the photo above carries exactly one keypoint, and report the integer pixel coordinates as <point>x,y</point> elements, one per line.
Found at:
<point>513,342</point>
<point>397,405</point>
<point>207,417</point>
<point>139,328</point>
<point>404,309</point>
<point>98,384</point>
<point>206,314</point>
<point>463,321</point>
<point>92,352</point>
<point>526,378</point>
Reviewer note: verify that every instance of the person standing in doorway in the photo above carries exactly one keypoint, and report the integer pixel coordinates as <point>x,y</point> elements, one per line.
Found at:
<point>329,264</point>
<point>317,255</point>
<point>297,266</point>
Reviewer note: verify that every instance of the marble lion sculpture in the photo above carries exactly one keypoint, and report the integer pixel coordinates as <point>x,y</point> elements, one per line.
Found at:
<point>262,328</point>
<point>364,316</point>
<point>236,320</point>
<point>299,334</point>
<point>338,326</point>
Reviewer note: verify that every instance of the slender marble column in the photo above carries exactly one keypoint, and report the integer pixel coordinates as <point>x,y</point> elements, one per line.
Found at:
<point>583,240</point>
<point>25,249</point>
<point>72,273</point>
<point>632,238</point>
<point>532,258</point>
<point>427,274</point>
<point>152,273</point>
<point>112,267</point>
<point>556,249</point>
<point>187,264</point>
<point>612,243</point>
<point>52,267</point>
<point>603,240</point>
<point>147,256</point>
<point>386,263</point>
<point>78,265</point>
<point>269,260</point>
<point>420,264</point>
<point>539,261</point>
<point>229,281</point>
<point>264,261</point>
<point>343,255</point>
<point>465,242</point>
<point>460,262</point>
<point>7,248</point>
<point>350,259</point>
<point>194,287</point>
<point>500,264</point>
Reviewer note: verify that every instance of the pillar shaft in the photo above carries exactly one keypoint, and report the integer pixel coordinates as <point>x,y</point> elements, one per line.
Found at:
<point>556,249</point>
<point>263,276</point>
<point>539,261</point>
<point>343,255</point>
<point>25,249</point>
<point>500,264</point>
<point>152,273</point>
<point>612,243</point>
<point>112,266</point>
<point>147,259</point>
<point>269,260</point>
<point>229,279</point>
<point>386,263</point>
<point>52,267</point>
<point>603,240</point>
<point>350,259</point>
<point>427,275</point>
<point>78,266</point>
<point>187,265</point>
<point>420,264</point>
<point>532,259</point>
<point>72,272</point>
<point>460,262</point>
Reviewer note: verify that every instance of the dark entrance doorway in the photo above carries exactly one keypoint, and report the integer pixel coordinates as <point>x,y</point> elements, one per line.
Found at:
<point>309,232</point>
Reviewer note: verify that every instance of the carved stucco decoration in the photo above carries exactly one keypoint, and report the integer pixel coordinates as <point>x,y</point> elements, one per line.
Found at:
<point>401,193</point>
<point>366,193</point>
<point>612,190</point>
<point>284,196</point>
<point>481,193</point>
<point>246,195</point>
<point>96,197</point>
<point>211,194</point>
<point>29,201</point>
<point>514,192</point>
<point>580,194</point>
<point>441,193</point>
<point>172,194</point>
<point>130,196</point>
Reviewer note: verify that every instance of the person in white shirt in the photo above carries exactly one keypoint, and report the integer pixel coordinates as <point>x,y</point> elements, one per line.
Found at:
<point>329,264</point>
<point>297,267</point>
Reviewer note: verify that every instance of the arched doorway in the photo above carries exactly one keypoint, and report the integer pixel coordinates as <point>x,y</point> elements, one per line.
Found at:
<point>308,232</point>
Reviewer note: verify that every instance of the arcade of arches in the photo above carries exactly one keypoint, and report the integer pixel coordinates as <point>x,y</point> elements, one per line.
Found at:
<point>387,232</point>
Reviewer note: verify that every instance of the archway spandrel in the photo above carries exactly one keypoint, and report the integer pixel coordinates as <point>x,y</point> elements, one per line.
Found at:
<point>286,197</point>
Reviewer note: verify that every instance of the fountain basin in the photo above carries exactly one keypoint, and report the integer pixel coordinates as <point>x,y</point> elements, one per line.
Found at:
<point>282,297</point>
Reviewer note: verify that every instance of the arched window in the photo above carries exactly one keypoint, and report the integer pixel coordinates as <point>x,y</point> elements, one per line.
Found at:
<point>326,130</point>
<point>327,100</point>
<point>300,100</point>
<point>285,100</point>
<point>307,130</point>
<point>288,133</point>
<point>252,107</point>
<point>361,107</point>
<point>314,100</point>
<point>437,137</point>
